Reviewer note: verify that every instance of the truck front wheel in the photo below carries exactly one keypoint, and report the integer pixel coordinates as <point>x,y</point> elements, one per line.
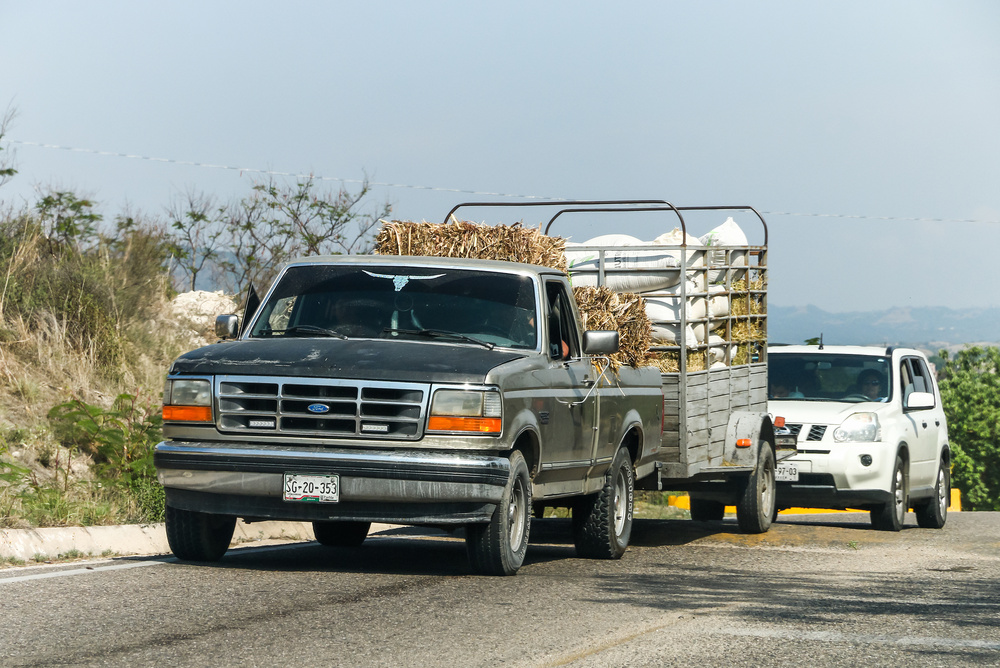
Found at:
<point>602,522</point>
<point>498,548</point>
<point>195,536</point>
<point>756,502</point>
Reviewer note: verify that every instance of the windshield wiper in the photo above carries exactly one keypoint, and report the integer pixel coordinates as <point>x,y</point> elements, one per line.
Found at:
<point>308,329</point>
<point>439,334</point>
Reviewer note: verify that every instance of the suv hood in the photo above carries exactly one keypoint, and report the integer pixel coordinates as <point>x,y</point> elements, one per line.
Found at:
<point>356,359</point>
<point>821,412</point>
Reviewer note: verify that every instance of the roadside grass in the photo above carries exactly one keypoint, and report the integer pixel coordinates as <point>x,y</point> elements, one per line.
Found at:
<point>84,344</point>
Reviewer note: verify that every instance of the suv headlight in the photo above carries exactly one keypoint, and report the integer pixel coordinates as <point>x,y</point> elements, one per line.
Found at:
<point>475,411</point>
<point>858,427</point>
<point>187,400</point>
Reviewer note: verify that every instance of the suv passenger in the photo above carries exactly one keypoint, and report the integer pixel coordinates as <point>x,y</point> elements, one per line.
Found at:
<point>870,430</point>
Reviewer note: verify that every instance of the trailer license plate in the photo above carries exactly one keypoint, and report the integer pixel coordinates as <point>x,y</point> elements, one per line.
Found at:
<point>312,488</point>
<point>786,472</point>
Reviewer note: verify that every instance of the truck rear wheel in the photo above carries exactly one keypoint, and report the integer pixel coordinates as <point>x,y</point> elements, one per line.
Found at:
<point>195,536</point>
<point>341,534</point>
<point>602,522</point>
<point>756,502</point>
<point>498,548</point>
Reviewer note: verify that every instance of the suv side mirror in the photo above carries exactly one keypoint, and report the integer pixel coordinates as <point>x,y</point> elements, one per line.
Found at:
<point>227,326</point>
<point>600,342</point>
<point>918,400</point>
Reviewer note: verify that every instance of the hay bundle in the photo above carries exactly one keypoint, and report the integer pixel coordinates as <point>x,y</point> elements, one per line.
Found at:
<point>602,308</point>
<point>464,239</point>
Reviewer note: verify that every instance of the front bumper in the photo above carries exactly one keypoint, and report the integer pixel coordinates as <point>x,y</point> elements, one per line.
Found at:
<point>396,486</point>
<point>832,475</point>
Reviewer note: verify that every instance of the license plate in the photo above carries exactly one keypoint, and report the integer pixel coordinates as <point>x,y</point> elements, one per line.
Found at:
<point>786,472</point>
<point>312,488</point>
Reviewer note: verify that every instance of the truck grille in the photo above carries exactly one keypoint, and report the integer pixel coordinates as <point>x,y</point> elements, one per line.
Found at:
<point>320,407</point>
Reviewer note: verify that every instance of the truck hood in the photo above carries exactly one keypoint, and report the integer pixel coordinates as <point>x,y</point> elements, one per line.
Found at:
<point>821,412</point>
<point>356,359</point>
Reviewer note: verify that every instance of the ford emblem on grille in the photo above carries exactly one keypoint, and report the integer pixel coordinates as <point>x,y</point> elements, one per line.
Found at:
<point>318,408</point>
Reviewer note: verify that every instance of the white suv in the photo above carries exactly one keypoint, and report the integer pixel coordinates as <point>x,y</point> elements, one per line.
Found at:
<point>870,429</point>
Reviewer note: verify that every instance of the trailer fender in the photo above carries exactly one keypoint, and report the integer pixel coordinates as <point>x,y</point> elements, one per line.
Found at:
<point>746,427</point>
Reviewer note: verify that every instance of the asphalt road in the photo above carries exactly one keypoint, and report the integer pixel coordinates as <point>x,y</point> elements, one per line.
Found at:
<point>822,590</point>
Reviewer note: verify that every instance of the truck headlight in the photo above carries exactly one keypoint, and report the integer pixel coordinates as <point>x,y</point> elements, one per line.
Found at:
<point>858,427</point>
<point>475,411</point>
<point>187,400</point>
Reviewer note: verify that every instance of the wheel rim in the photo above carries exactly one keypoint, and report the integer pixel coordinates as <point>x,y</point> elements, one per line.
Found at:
<point>900,493</point>
<point>620,502</point>
<point>942,487</point>
<point>516,510</point>
<point>767,487</point>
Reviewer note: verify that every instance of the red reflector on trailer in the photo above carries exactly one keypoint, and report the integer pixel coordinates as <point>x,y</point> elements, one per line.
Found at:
<point>744,443</point>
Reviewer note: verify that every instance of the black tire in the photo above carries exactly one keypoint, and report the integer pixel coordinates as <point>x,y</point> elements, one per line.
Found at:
<point>933,513</point>
<point>706,510</point>
<point>602,522</point>
<point>498,548</point>
<point>341,534</point>
<point>758,495</point>
<point>891,515</point>
<point>195,536</point>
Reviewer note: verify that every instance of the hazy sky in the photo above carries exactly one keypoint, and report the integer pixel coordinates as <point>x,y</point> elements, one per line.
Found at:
<point>845,114</point>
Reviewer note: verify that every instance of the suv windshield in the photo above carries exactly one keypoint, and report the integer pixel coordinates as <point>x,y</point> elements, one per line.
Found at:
<point>401,302</point>
<point>823,377</point>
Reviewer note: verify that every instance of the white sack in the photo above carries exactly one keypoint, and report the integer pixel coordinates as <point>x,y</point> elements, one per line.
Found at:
<point>718,304</point>
<point>627,268</point>
<point>727,234</point>
<point>666,334</point>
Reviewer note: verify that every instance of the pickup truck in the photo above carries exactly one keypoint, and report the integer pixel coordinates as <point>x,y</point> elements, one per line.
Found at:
<point>446,392</point>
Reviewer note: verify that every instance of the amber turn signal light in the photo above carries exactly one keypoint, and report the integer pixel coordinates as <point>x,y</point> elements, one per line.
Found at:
<point>187,413</point>
<point>471,424</point>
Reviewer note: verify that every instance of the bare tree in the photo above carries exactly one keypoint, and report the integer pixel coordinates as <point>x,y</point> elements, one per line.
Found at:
<point>278,222</point>
<point>199,234</point>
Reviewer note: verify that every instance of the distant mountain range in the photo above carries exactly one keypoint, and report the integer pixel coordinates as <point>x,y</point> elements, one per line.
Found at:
<point>923,327</point>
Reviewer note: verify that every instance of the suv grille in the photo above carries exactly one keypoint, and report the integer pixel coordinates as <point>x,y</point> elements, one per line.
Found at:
<point>320,407</point>
<point>815,432</point>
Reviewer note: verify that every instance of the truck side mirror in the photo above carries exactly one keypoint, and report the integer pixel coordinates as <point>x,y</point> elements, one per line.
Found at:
<point>227,326</point>
<point>600,342</point>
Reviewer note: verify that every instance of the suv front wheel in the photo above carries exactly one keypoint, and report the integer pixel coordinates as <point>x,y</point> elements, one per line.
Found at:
<point>891,515</point>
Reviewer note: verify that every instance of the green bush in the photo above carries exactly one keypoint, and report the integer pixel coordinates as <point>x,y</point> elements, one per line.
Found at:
<point>120,440</point>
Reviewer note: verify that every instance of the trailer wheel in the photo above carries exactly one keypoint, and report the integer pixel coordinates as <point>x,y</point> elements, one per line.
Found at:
<point>756,502</point>
<point>498,548</point>
<point>195,536</point>
<point>341,534</point>
<point>706,510</point>
<point>602,522</point>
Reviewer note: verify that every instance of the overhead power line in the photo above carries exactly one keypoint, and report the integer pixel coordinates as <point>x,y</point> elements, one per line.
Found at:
<point>300,175</point>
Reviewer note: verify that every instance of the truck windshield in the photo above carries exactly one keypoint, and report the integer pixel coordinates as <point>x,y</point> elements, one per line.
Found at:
<point>834,377</point>
<point>389,301</point>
